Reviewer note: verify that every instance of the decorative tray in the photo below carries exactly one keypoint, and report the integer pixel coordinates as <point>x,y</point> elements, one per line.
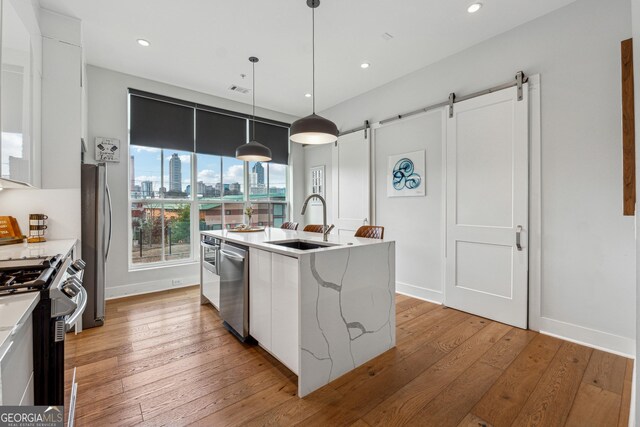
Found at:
<point>246,230</point>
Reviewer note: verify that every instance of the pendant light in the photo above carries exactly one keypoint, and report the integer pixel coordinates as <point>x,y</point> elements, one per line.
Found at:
<point>313,129</point>
<point>253,151</point>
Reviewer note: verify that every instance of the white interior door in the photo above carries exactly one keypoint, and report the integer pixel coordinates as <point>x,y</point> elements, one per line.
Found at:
<point>351,183</point>
<point>487,207</point>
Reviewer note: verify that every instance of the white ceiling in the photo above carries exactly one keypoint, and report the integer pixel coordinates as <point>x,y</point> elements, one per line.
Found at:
<point>204,45</point>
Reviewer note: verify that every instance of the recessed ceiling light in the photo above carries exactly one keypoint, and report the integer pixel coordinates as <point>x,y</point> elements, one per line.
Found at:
<point>143,42</point>
<point>308,95</point>
<point>365,65</point>
<point>473,8</point>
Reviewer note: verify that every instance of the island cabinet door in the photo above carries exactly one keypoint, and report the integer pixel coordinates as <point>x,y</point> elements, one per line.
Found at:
<point>260,296</point>
<point>284,299</point>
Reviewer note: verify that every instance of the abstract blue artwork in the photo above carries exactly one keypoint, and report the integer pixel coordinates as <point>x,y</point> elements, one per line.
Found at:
<point>406,174</point>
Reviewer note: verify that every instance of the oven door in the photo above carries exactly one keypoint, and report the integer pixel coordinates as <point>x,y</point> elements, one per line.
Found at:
<point>209,280</point>
<point>210,252</point>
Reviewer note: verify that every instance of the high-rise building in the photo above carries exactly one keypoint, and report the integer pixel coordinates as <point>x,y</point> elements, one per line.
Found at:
<point>175,173</point>
<point>258,169</point>
<point>234,188</point>
<point>201,190</point>
<point>147,188</point>
<point>132,174</point>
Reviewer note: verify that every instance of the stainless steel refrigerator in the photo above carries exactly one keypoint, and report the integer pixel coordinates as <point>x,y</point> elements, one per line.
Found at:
<point>96,240</point>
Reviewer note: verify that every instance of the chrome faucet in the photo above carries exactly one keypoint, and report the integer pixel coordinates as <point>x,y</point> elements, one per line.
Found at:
<point>325,229</point>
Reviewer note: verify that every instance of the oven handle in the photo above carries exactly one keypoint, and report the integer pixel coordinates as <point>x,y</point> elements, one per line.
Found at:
<point>82,304</point>
<point>209,245</point>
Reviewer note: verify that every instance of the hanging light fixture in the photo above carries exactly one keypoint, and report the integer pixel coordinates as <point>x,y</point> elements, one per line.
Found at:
<point>313,129</point>
<point>253,151</point>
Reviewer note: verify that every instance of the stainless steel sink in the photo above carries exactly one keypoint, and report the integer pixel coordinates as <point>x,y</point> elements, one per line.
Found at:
<point>302,245</point>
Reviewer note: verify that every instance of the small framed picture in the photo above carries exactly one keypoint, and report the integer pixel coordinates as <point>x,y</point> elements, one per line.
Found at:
<point>406,174</point>
<point>317,182</point>
<point>107,149</point>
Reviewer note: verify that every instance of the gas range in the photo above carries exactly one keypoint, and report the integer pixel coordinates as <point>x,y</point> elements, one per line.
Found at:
<point>25,275</point>
<point>62,301</point>
<point>56,278</point>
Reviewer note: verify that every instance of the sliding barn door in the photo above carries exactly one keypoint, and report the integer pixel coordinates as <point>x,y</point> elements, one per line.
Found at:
<point>487,207</point>
<point>351,183</point>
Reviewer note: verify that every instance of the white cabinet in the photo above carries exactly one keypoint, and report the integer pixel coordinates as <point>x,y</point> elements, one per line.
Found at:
<point>260,296</point>
<point>211,287</point>
<point>61,100</point>
<point>273,304</point>
<point>16,366</point>
<point>20,93</point>
<point>284,309</point>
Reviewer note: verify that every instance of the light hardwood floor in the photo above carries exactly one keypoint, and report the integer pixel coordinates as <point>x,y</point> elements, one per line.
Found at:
<point>163,359</point>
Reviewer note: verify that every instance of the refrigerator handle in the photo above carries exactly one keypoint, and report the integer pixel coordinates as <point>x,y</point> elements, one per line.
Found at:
<point>106,254</point>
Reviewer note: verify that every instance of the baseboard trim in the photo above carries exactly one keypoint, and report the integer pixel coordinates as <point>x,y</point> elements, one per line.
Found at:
<point>414,291</point>
<point>589,337</point>
<point>149,287</point>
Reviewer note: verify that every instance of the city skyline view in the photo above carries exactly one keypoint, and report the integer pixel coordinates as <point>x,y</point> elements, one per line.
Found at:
<point>145,171</point>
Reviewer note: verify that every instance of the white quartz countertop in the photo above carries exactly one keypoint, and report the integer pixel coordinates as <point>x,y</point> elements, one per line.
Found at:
<point>261,239</point>
<point>31,250</point>
<point>14,311</point>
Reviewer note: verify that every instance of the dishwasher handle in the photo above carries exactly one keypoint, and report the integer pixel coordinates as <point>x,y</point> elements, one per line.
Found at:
<point>231,255</point>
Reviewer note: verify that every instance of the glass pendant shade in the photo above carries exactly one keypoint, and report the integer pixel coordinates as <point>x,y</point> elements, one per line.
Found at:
<point>313,130</point>
<point>253,152</point>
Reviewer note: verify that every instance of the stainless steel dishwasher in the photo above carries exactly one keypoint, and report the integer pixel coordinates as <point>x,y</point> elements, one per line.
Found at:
<point>234,288</point>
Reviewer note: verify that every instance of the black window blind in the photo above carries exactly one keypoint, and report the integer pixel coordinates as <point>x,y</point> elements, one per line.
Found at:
<point>275,137</point>
<point>219,134</point>
<point>161,124</point>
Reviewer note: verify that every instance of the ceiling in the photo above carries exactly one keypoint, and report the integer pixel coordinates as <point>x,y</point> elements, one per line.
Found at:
<point>204,45</point>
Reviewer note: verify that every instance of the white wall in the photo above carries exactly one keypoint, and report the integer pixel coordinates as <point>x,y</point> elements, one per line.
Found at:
<point>58,205</point>
<point>415,223</point>
<point>588,249</point>
<point>107,117</point>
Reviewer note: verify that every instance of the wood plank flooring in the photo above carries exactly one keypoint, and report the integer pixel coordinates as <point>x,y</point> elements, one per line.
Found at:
<point>163,359</point>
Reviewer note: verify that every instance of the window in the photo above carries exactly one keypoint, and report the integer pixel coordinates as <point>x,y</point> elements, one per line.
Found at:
<point>232,178</point>
<point>184,179</point>
<point>160,231</point>
<point>277,182</point>
<point>209,177</point>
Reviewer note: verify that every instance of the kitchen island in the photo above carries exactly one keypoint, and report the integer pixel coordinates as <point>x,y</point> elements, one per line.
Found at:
<point>321,308</point>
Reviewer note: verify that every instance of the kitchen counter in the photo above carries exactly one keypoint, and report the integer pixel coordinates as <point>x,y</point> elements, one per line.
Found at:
<point>322,312</point>
<point>261,239</point>
<point>14,310</point>
<point>31,250</point>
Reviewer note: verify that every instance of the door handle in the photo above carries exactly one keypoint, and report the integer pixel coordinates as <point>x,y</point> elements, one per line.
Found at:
<point>518,236</point>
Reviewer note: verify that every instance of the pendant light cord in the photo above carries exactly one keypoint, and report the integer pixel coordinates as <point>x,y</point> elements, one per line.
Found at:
<point>313,55</point>
<point>254,101</point>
